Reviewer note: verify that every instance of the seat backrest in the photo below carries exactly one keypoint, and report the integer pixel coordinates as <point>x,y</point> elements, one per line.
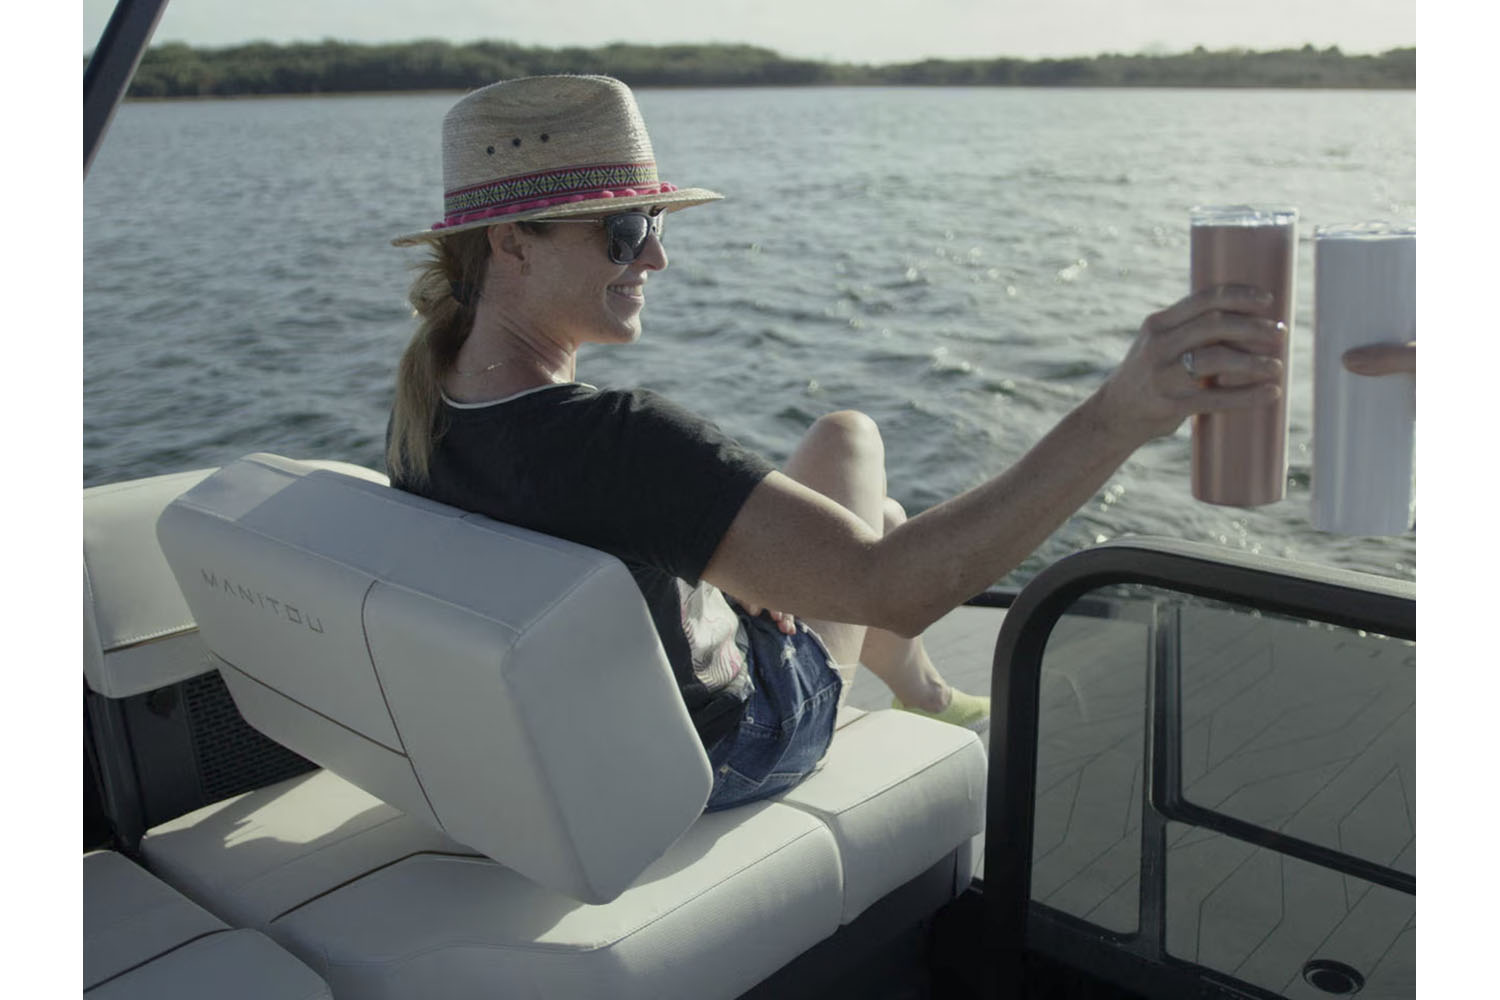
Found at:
<point>138,634</point>
<point>505,686</point>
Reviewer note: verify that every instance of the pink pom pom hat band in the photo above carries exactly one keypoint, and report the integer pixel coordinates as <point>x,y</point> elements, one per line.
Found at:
<point>557,187</point>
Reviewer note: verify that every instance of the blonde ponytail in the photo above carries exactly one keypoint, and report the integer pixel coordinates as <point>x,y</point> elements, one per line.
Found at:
<point>453,271</point>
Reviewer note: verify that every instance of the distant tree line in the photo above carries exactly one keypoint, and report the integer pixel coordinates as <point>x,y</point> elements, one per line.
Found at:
<point>331,67</point>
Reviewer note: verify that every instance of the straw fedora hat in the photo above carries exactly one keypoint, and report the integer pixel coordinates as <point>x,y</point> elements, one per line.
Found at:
<point>545,147</point>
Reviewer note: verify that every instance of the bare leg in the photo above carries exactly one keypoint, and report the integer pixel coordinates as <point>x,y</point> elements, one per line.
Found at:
<point>903,664</point>
<point>843,457</point>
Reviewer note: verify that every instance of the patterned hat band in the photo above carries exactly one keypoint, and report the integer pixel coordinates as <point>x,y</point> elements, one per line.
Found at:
<point>544,190</point>
<point>548,147</point>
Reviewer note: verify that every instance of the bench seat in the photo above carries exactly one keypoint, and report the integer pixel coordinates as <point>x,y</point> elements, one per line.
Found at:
<point>142,940</point>
<point>495,815</point>
<point>383,906</point>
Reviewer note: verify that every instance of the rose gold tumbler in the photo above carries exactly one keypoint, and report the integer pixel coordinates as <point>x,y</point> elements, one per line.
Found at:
<point>1240,457</point>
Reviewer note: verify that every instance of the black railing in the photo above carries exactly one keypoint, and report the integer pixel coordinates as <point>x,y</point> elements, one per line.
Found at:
<point>1336,597</point>
<point>107,75</point>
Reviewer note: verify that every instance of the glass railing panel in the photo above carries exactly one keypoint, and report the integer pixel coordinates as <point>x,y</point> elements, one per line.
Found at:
<point>1294,928</point>
<point>1204,776</point>
<point>1297,727</point>
<point>1086,852</point>
<point>1303,728</point>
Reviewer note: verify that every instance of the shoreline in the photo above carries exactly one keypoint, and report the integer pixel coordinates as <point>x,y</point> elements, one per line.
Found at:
<point>176,70</point>
<point>460,91</point>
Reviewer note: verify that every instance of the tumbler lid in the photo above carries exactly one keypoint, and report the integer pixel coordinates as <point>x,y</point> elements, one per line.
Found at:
<point>1243,215</point>
<point>1367,231</point>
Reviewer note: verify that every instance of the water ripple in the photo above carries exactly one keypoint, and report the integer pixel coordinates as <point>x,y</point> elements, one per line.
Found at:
<point>966,285</point>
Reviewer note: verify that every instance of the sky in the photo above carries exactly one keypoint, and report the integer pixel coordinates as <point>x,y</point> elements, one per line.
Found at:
<point>873,31</point>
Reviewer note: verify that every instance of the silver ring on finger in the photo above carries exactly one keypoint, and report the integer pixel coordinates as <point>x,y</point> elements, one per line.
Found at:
<point>1187,364</point>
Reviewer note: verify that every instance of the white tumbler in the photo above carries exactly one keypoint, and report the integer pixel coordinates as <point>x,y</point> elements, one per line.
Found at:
<point>1364,426</point>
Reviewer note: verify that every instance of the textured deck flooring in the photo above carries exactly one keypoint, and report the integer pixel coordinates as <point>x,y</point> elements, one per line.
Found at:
<point>1308,730</point>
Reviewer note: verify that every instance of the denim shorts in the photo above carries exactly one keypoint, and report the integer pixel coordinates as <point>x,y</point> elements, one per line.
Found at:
<point>788,720</point>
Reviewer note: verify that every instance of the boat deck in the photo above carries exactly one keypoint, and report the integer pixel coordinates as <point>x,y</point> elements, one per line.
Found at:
<point>1304,729</point>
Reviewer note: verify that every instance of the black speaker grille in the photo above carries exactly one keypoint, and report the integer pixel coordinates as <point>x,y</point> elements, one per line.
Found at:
<point>232,758</point>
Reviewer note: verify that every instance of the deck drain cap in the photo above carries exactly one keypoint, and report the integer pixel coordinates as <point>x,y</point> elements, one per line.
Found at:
<point>1333,977</point>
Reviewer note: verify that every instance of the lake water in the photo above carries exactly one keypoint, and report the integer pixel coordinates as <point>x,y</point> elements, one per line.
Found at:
<point>965,265</point>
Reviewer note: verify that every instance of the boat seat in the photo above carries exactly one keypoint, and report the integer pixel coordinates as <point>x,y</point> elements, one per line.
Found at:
<point>138,634</point>
<point>492,817</point>
<point>383,906</point>
<point>162,736</point>
<point>144,941</point>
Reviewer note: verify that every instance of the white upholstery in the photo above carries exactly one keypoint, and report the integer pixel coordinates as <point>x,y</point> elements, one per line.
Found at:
<point>130,917</point>
<point>509,688</point>
<point>899,792</point>
<point>253,857</point>
<point>738,896</point>
<point>497,683</point>
<point>232,965</point>
<point>382,906</point>
<point>138,634</point>
<point>144,941</point>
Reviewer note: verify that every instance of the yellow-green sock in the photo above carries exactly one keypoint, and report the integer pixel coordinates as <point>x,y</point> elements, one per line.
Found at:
<point>971,711</point>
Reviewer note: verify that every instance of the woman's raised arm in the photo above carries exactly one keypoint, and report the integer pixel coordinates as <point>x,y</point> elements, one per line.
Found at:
<point>796,550</point>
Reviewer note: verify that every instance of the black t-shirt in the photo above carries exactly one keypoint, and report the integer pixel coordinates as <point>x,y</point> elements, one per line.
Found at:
<point>626,472</point>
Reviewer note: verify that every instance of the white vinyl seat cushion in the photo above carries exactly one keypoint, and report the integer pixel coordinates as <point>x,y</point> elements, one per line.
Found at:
<point>492,681</point>
<point>142,940</point>
<point>138,634</point>
<point>232,965</point>
<point>899,792</point>
<point>741,894</point>
<point>130,917</point>
<point>382,905</point>
<point>529,824</point>
<point>256,856</point>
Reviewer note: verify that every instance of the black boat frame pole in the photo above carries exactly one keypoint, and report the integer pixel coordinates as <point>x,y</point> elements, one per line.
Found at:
<point>107,76</point>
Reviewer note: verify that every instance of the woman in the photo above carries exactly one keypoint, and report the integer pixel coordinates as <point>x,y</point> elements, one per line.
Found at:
<point>551,236</point>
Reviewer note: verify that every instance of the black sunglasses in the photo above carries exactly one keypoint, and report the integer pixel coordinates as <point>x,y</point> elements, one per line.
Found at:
<point>627,232</point>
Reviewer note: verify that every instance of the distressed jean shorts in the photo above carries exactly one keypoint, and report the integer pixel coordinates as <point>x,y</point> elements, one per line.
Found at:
<point>788,720</point>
